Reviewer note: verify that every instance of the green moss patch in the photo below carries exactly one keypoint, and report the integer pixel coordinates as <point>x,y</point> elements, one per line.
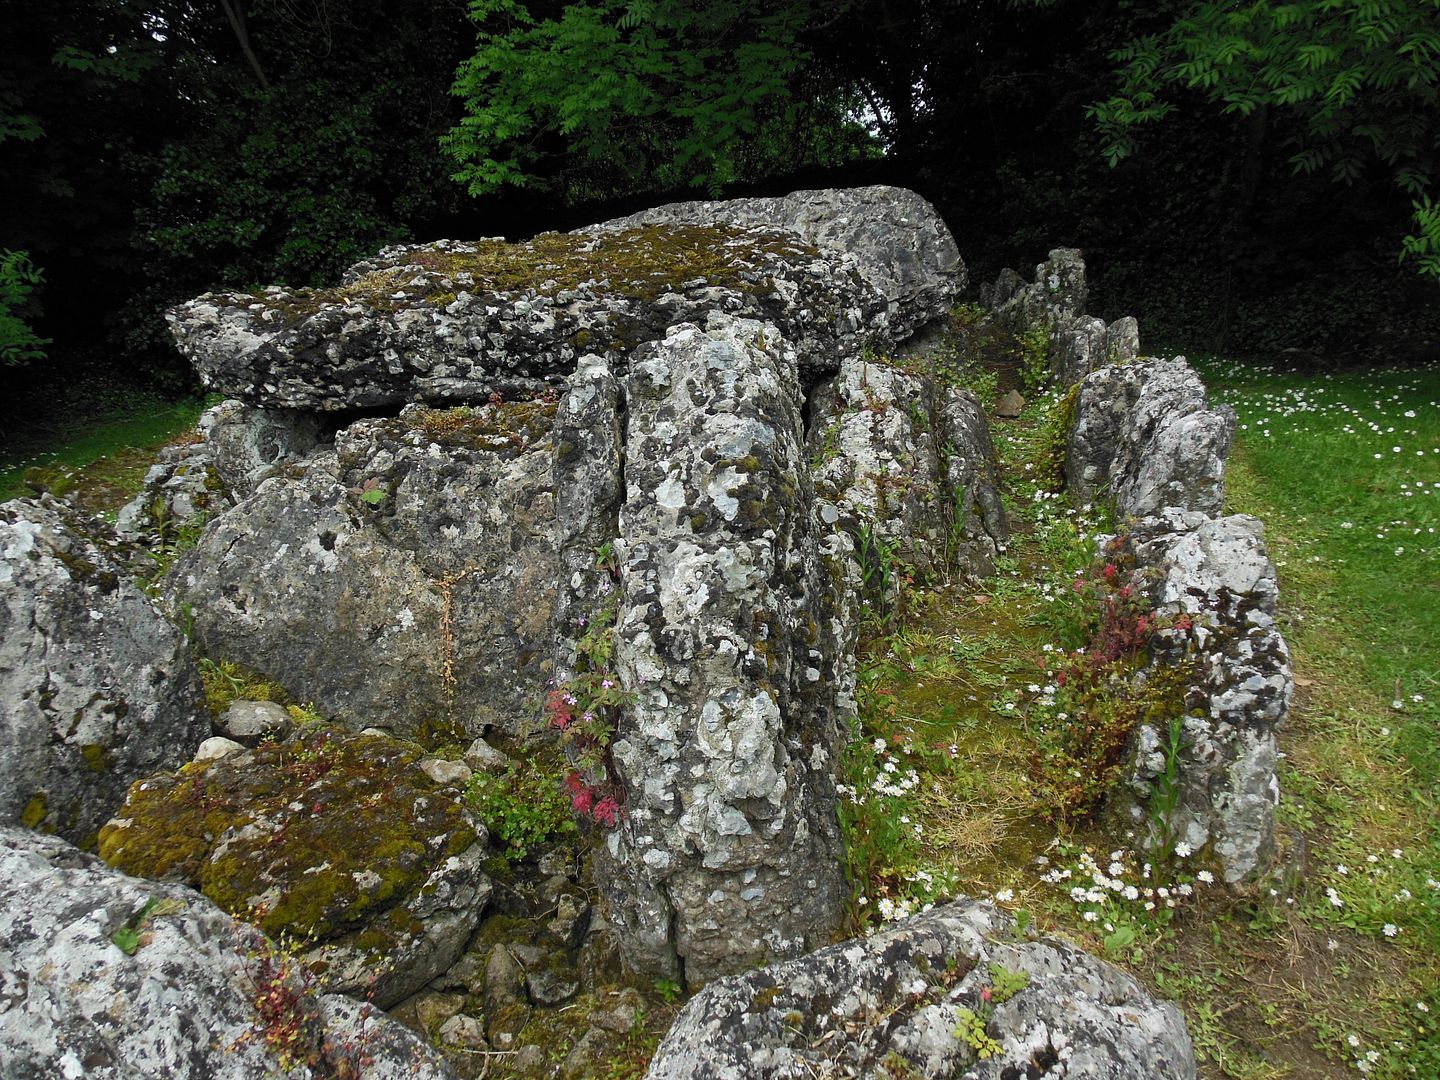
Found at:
<point>638,264</point>
<point>317,836</point>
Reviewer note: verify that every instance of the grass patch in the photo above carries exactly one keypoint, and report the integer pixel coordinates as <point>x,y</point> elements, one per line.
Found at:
<point>109,455</point>
<point>1330,969</point>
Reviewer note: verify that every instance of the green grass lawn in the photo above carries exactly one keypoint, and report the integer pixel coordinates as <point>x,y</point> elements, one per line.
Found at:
<point>1332,967</point>
<point>112,451</point>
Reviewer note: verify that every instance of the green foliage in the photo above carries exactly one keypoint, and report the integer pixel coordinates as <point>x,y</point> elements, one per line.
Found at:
<point>18,279</point>
<point>1034,349</point>
<point>643,94</point>
<point>1361,76</point>
<point>522,807</point>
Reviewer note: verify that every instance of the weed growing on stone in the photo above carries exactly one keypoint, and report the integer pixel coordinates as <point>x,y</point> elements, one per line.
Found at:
<point>523,807</point>
<point>585,709</point>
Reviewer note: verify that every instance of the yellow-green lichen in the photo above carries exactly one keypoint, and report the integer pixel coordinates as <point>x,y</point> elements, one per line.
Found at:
<point>34,812</point>
<point>95,758</point>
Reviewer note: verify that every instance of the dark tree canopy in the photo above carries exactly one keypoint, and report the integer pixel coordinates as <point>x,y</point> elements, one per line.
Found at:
<point>151,151</point>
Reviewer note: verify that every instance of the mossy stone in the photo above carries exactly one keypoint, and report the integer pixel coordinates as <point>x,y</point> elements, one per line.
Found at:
<point>317,836</point>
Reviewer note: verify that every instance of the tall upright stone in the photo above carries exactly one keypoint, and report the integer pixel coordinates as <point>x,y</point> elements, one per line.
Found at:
<point>729,852</point>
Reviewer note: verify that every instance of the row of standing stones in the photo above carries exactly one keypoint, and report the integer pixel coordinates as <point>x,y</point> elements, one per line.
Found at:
<point>403,500</point>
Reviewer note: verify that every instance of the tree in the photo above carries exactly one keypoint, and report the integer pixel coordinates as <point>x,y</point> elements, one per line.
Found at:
<point>1360,77</point>
<point>18,278</point>
<point>608,97</point>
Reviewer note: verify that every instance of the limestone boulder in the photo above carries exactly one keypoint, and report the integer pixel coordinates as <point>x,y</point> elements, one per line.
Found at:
<point>900,244</point>
<point>106,976</point>
<point>96,688</point>
<point>453,322</point>
<point>729,852</point>
<point>1054,306</point>
<point>1055,297</point>
<point>927,995</point>
<point>905,465</point>
<point>1212,581</point>
<point>338,840</point>
<point>417,562</point>
<point>1143,438</point>
<point>236,446</point>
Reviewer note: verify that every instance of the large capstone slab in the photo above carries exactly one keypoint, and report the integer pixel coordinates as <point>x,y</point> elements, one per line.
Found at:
<point>96,688</point>
<point>900,244</point>
<point>905,999</point>
<point>451,322</point>
<point>104,976</point>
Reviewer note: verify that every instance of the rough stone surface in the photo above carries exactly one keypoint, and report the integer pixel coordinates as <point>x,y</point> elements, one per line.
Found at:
<point>817,1016</point>
<point>1214,573</point>
<point>899,242</point>
<point>181,1003</point>
<point>1144,438</point>
<point>415,560</point>
<point>217,746</point>
<point>910,462</point>
<point>1055,304</point>
<point>179,491</point>
<point>96,688</point>
<point>335,837</point>
<point>653,376</point>
<point>1053,299</point>
<point>729,852</point>
<point>250,722</point>
<point>237,447</point>
<point>482,757</point>
<point>247,444</point>
<point>454,322</point>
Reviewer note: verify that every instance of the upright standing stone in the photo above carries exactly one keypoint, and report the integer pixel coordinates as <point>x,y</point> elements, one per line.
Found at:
<point>729,852</point>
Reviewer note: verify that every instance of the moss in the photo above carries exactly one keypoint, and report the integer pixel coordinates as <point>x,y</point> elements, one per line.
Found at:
<point>34,812</point>
<point>511,425</point>
<point>640,263</point>
<point>331,829</point>
<point>95,757</point>
<point>227,682</point>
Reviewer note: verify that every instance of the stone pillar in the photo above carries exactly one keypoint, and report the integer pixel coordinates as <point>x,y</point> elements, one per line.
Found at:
<point>728,853</point>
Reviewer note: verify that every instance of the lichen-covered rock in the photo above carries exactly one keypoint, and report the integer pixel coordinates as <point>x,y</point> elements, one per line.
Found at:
<point>417,563</point>
<point>1055,298</point>
<point>247,444</point>
<point>105,976</point>
<point>333,838</point>
<point>179,491</point>
<point>911,997</point>
<point>1143,437</point>
<point>454,322</point>
<point>251,722</point>
<point>729,852</point>
<point>238,446</point>
<point>96,688</point>
<point>908,463</point>
<point>1054,305</point>
<point>901,245</point>
<point>1212,581</point>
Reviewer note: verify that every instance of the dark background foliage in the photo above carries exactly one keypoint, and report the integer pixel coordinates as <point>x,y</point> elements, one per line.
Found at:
<point>150,151</point>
